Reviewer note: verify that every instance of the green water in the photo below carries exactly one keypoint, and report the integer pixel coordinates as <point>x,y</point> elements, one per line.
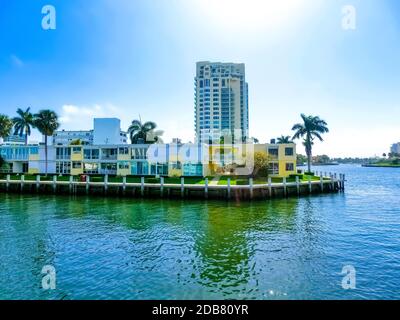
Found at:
<point>170,249</point>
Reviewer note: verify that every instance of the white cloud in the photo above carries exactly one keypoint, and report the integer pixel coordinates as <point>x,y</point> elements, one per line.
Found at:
<point>73,117</point>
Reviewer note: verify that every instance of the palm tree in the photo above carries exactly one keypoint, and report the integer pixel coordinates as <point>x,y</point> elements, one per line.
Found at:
<point>23,123</point>
<point>311,128</point>
<point>284,139</point>
<point>46,121</point>
<point>6,125</point>
<point>144,133</point>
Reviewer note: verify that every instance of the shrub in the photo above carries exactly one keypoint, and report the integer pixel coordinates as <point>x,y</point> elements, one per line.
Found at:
<point>293,176</point>
<point>152,180</point>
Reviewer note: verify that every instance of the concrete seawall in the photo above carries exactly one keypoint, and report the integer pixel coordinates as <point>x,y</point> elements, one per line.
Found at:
<point>226,192</point>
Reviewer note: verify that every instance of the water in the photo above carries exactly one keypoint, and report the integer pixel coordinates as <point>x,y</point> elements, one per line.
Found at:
<point>167,249</point>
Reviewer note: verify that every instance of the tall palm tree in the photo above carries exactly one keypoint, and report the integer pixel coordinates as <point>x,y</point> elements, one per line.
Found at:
<point>6,125</point>
<point>23,123</point>
<point>144,132</point>
<point>284,139</point>
<point>311,128</point>
<point>46,121</point>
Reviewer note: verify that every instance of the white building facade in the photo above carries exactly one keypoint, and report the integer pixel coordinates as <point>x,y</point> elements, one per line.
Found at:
<point>221,101</point>
<point>105,131</point>
<point>395,149</point>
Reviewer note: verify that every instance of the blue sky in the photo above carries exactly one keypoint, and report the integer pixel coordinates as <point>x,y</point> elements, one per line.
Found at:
<point>129,58</point>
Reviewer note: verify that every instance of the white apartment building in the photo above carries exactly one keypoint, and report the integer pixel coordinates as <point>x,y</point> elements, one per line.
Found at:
<point>395,148</point>
<point>221,101</point>
<point>105,131</point>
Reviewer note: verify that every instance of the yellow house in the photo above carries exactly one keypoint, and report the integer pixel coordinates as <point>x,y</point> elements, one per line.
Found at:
<point>76,160</point>
<point>282,158</point>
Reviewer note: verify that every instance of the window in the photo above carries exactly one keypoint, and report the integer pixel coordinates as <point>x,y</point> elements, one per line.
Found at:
<point>63,167</point>
<point>273,152</point>
<point>76,165</point>
<point>76,150</point>
<point>123,150</point>
<point>273,168</point>
<point>90,168</point>
<point>290,166</point>
<point>288,151</point>
<point>91,154</point>
<point>123,165</point>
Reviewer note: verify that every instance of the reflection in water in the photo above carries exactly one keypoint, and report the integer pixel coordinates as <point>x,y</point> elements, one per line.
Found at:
<point>106,248</point>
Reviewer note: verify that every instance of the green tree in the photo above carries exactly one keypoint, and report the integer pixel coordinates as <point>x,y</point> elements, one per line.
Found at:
<point>261,162</point>
<point>311,128</point>
<point>144,132</point>
<point>23,123</point>
<point>6,125</point>
<point>46,121</point>
<point>301,159</point>
<point>284,139</point>
<point>76,142</point>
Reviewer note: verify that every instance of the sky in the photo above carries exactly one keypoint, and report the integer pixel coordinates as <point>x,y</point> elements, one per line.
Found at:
<point>137,58</point>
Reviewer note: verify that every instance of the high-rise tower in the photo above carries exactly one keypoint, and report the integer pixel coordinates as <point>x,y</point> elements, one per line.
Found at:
<point>221,101</point>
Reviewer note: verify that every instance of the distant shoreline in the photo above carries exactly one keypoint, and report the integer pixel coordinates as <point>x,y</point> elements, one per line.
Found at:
<point>381,165</point>
<point>320,164</point>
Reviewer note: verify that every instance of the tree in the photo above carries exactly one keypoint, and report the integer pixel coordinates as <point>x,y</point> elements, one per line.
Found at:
<point>301,159</point>
<point>2,162</point>
<point>6,125</point>
<point>311,128</point>
<point>76,142</point>
<point>23,123</point>
<point>261,162</point>
<point>144,133</point>
<point>284,139</point>
<point>46,121</point>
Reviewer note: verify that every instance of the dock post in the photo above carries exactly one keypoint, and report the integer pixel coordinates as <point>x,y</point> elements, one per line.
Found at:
<point>182,187</point>
<point>321,182</point>
<point>298,185</point>
<point>332,182</point>
<point>70,183</point>
<point>270,187</point>
<point>87,184</point>
<point>123,185</point>
<point>8,182</point>
<point>336,182</point>
<point>206,188</point>
<point>142,186</point>
<point>22,182</point>
<point>37,182</point>
<point>105,183</point>
<point>54,183</point>
<point>309,184</point>
<point>284,187</point>
<point>343,181</point>
<point>161,186</point>
<point>228,188</point>
<point>251,187</point>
